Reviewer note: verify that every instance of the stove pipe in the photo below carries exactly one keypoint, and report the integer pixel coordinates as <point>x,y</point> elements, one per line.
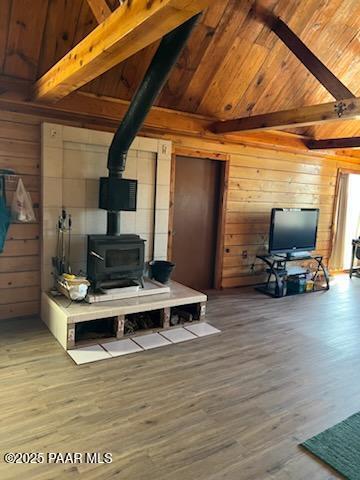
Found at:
<point>155,77</point>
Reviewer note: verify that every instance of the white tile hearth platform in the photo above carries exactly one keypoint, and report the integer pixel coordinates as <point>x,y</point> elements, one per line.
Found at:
<point>66,320</point>
<point>138,344</point>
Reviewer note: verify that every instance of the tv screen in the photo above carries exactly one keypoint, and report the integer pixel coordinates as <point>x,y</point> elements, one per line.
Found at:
<point>293,229</point>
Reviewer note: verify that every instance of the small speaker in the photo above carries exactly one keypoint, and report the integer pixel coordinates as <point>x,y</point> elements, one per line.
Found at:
<point>117,194</point>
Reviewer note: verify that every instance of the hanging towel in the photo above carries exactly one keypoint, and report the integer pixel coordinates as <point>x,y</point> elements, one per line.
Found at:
<point>4,214</point>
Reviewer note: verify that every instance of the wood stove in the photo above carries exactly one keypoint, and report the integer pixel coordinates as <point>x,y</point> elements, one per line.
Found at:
<point>115,260</point>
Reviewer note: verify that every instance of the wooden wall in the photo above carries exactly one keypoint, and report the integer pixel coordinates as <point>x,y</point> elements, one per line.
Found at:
<point>262,179</point>
<point>259,178</point>
<point>20,261</point>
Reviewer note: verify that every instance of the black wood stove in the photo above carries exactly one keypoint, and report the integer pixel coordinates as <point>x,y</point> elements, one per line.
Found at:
<point>114,260</point>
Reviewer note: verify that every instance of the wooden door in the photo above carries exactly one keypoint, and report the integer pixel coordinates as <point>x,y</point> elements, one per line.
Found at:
<point>195,224</point>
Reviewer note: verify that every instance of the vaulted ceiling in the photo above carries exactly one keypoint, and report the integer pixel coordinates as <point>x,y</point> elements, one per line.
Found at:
<point>233,65</point>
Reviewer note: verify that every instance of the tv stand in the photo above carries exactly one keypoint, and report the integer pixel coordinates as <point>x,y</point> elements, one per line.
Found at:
<point>292,256</point>
<point>278,268</point>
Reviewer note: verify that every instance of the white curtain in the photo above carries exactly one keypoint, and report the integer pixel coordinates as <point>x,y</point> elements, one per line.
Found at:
<point>337,258</point>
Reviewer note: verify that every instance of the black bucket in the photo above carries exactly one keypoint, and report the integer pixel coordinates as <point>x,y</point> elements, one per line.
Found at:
<point>161,270</point>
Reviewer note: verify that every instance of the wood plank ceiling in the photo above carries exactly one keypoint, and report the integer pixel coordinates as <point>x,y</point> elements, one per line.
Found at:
<point>233,65</point>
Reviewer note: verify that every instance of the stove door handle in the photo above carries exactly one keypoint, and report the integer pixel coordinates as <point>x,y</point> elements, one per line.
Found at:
<point>96,255</point>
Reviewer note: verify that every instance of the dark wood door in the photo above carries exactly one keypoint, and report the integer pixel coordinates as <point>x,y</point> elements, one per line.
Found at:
<point>196,209</point>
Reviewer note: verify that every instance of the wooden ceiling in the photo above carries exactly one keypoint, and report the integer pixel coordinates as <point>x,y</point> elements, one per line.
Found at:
<point>233,65</point>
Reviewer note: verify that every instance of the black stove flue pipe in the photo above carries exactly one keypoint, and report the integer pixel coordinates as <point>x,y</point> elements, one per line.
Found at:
<point>155,77</point>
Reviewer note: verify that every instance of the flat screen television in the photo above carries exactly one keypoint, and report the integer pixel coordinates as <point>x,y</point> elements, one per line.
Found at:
<point>293,230</point>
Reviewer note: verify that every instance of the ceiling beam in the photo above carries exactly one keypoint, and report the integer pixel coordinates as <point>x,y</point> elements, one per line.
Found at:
<point>315,66</point>
<point>328,143</point>
<point>130,28</point>
<point>100,9</point>
<point>87,109</point>
<point>348,109</point>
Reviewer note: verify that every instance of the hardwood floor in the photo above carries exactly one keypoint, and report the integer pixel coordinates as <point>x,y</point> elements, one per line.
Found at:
<point>232,406</point>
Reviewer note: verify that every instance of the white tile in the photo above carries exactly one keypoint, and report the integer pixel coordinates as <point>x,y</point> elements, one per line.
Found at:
<point>135,144</point>
<point>162,197</point>
<point>148,246</point>
<point>84,164</point>
<point>78,250</point>
<point>74,164</point>
<point>146,155</point>
<point>153,340</point>
<point>76,146</point>
<point>96,165</point>
<point>52,161</point>
<point>92,193</point>
<point>78,216</point>
<point>88,354</point>
<point>144,221</point>
<point>74,192</point>
<point>148,144</point>
<point>87,136</point>
<point>47,278</point>
<point>131,166</point>
<point>76,134</point>
<point>82,147</point>
<point>145,196</point>
<point>161,243</point>
<point>177,335</point>
<point>163,172</point>
<point>128,222</point>
<point>96,220</point>
<point>162,221</point>
<point>146,169</point>
<point>121,347</point>
<point>100,138</point>
<point>49,246</point>
<point>97,149</point>
<point>52,192</point>
<point>202,329</point>
<point>50,216</point>
<point>52,134</point>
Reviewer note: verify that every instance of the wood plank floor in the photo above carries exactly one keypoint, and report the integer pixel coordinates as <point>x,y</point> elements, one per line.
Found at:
<point>232,406</point>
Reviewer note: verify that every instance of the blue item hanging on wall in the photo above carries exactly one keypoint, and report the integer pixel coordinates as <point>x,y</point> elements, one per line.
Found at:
<point>4,214</point>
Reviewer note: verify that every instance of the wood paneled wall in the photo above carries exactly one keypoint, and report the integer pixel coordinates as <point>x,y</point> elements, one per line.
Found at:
<point>20,261</point>
<point>262,178</point>
<point>259,178</point>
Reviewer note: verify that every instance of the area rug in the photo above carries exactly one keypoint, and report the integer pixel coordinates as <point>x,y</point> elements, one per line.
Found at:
<point>339,447</point>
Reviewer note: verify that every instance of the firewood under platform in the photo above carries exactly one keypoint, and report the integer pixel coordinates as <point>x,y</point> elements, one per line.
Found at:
<point>77,324</point>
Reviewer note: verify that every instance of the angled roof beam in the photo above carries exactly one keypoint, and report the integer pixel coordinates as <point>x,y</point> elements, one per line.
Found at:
<point>348,109</point>
<point>130,28</point>
<point>315,66</point>
<point>327,143</point>
<point>100,9</point>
